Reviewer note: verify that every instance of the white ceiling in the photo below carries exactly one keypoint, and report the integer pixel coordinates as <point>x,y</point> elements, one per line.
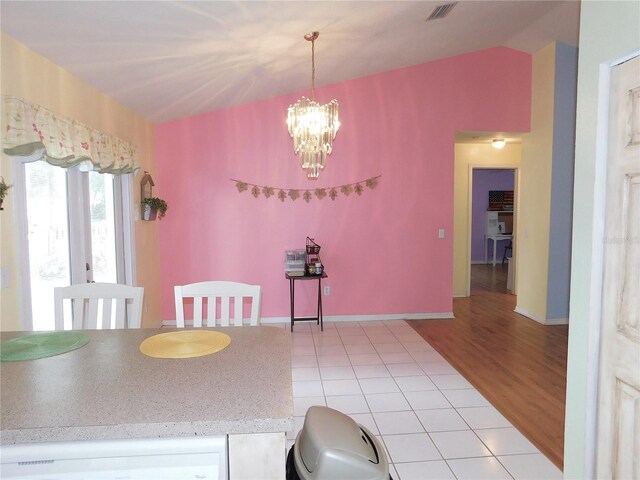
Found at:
<point>171,59</point>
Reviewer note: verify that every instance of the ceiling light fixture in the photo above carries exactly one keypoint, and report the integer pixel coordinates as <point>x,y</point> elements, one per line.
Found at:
<point>312,126</point>
<point>498,143</point>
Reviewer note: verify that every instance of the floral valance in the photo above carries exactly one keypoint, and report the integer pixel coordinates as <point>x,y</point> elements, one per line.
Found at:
<point>33,131</point>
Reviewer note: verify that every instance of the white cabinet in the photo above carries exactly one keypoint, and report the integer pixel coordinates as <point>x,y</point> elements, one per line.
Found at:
<point>499,222</point>
<point>176,458</point>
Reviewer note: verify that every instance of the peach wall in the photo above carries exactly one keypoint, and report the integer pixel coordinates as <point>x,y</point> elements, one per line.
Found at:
<point>29,75</point>
<point>381,250</point>
<point>532,255</point>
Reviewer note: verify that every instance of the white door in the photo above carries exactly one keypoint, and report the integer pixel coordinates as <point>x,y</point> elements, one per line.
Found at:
<point>618,430</point>
<point>73,232</point>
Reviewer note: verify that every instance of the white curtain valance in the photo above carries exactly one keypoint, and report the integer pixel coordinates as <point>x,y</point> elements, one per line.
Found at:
<point>32,130</point>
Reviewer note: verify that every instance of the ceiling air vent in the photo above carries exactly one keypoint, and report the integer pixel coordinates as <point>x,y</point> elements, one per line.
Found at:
<point>441,11</point>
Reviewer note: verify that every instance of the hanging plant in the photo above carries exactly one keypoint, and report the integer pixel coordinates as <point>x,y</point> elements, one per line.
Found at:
<point>4,188</point>
<point>153,207</point>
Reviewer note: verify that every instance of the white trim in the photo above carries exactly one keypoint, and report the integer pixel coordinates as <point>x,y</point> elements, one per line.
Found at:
<point>557,321</point>
<point>392,316</point>
<point>118,220</point>
<point>529,315</point>
<point>78,219</point>
<point>128,229</point>
<point>286,320</point>
<point>543,321</point>
<point>459,295</point>
<point>488,262</point>
<point>347,318</point>
<point>21,238</point>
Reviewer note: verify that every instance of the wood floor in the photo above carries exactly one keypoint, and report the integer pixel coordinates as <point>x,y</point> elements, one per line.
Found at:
<point>518,364</point>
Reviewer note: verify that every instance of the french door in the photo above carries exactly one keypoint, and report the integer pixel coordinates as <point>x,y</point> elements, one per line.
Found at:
<point>75,229</point>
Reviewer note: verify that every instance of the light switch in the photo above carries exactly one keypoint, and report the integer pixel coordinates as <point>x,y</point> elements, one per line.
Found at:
<point>4,278</point>
<point>441,233</point>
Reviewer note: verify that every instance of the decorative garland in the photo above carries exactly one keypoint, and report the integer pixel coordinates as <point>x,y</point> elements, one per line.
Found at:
<point>307,195</point>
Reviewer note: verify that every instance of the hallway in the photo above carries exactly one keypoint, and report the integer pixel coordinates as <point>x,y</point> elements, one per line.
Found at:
<point>518,364</point>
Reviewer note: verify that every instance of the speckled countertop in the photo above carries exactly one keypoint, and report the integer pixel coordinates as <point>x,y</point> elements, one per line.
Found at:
<point>109,390</point>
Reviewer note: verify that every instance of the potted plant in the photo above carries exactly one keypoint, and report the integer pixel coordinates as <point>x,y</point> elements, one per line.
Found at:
<point>152,207</point>
<point>4,188</point>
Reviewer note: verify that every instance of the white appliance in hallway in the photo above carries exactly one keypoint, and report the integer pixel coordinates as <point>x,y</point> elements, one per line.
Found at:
<point>202,458</point>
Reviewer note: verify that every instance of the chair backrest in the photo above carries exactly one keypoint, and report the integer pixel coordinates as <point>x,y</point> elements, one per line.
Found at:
<point>86,298</point>
<point>213,291</point>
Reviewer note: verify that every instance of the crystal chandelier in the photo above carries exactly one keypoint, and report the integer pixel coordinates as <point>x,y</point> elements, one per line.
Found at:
<point>311,125</point>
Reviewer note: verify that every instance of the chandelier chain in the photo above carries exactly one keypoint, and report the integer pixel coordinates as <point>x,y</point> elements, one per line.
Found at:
<point>313,69</point>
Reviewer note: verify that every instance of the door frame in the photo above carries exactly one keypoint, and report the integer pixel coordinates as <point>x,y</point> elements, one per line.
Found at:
<point>516,193</point>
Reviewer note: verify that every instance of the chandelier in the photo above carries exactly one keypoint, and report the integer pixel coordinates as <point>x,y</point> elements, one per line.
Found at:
<point>311,125</point>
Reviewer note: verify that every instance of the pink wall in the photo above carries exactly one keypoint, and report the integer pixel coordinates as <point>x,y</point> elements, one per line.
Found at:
<point>381,250</point>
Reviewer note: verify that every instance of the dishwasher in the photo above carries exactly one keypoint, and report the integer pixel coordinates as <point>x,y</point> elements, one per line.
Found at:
<point>176,458</point>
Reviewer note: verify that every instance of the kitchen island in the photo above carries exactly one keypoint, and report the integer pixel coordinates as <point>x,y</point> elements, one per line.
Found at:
<point>109,390</point>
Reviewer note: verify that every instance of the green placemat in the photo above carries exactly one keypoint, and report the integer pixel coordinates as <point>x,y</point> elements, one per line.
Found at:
<point>41,345</point>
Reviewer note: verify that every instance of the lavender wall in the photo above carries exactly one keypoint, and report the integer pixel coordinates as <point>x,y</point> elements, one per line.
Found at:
<point>564,127</point>
<point>483,181</point>
<point>381,249</point>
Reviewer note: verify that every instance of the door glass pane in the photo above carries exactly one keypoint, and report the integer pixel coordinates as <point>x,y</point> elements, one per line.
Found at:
<point>48,238</point>
<point>103,230</point>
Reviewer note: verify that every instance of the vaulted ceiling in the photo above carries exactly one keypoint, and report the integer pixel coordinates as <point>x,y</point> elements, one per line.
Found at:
<point>171,59</point>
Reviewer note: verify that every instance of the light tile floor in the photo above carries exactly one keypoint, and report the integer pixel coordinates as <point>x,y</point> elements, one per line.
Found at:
<point>432,422</point>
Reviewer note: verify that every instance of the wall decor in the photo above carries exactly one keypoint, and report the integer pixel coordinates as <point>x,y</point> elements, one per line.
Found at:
<point>500,200</point>
<point>146,186</point>
<point>152,207</point>
<point>307,194</point>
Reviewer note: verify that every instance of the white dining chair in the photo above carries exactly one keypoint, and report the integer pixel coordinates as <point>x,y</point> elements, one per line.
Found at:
<point>224,292</point>
<point>90,299</point>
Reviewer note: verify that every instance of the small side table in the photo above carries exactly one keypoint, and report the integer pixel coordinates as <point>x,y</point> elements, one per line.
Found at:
<point>496,238</point>
<point>292,287</point>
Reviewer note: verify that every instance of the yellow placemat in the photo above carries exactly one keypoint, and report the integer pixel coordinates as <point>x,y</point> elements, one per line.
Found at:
<point>185,344</point>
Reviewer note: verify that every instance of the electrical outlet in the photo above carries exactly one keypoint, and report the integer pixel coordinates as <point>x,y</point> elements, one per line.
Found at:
<point>441,233</point>
<point>327,290</point>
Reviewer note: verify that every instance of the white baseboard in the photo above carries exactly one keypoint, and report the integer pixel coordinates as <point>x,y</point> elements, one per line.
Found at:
<point>347,318</point>
<point>543,321</point>
<point>459,295</point>
<point>481,262</point>
<point>526,313</point>
<point>392,316</point>
<point>557,321</point>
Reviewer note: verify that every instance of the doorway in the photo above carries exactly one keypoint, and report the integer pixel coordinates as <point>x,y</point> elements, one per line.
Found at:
<point>492,223</point>
<point>73,229</point>
<point>492,215</point>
